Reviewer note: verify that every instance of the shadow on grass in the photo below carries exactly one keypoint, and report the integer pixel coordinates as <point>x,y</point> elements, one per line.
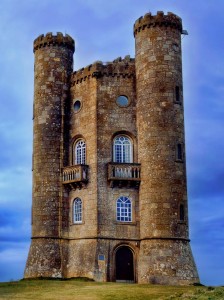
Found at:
<point>81,279</point>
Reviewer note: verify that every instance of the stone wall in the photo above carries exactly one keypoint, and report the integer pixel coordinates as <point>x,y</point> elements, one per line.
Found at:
<point>111,121</point>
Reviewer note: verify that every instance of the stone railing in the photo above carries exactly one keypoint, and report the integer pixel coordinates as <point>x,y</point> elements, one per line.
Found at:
<point>124,174</point>
<point>75,175</point>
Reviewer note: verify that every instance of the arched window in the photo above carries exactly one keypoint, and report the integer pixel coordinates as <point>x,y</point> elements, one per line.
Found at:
<point>77,210</point>
<point>122,149</point>
<point>124,210</point>
<point>79,152</point>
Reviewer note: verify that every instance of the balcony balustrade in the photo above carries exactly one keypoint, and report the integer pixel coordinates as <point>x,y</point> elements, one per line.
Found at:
<point>127,174</point>
<point>75,176</point>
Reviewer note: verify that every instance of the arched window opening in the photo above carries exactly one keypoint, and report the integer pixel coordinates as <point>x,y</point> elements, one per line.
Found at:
<point>79,152</point>
<point>77,106</point>
<point>122,150</point>
<point>77,210</point>
<point>182,215</point>
<point>124,209</point>
<point>179,152</point>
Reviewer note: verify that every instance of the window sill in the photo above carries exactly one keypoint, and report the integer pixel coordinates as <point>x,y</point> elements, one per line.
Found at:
<point>125,223</point>
<point>179,160</point>
<point>80,223</point>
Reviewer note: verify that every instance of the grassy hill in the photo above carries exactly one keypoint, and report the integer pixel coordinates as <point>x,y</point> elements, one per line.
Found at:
<point>83,290</point>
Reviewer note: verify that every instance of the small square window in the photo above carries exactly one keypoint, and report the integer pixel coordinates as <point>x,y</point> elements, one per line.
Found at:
<point>101,257</point>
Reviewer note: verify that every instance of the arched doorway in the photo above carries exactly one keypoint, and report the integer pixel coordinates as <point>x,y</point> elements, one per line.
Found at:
<point>124,264</point>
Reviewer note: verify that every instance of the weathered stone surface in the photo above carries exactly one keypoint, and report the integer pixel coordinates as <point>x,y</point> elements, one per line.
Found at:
<point>44,259</point>
<point>53,67</point>
<point>153,119</point>
<point>170,262</point>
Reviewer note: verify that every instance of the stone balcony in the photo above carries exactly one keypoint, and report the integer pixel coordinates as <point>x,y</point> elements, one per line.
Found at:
<point>75,176</point>
<point>124,174</point>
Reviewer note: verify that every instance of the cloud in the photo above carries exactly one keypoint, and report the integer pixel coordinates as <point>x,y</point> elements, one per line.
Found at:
<point>12,261</point>
<point>207,239</point>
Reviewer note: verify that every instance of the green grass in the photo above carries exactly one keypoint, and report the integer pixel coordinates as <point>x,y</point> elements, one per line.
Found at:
<point>84,290</point>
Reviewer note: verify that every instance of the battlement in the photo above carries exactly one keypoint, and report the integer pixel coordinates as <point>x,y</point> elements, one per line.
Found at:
<point>119,67</point>
<point>169,20</point>
<point>50,39</point>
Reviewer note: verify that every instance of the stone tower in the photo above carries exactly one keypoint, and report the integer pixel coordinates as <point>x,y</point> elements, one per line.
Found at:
<point>161,150</point>
<point>109,169</point>
<point>53,67</point>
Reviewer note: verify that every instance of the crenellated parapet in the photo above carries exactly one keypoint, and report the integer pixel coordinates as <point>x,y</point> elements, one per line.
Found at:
<point>169,20</point>
<point>119,67</point>
<point>50,39</point>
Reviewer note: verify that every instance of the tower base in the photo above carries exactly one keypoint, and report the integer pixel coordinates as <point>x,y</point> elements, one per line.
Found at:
<point>44,259</point>
<point>156,261</point>
<point>166,261</point>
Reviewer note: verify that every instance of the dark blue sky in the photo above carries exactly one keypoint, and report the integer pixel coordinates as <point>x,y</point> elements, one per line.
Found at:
<point>103,31</point>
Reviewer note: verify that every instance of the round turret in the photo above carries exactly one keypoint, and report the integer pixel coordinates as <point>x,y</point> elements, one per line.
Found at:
<point>53,67</point>
<point>161,150</point>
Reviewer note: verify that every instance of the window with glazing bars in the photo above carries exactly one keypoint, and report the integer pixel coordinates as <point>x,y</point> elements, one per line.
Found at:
<point>77,210</point>
<point>124,210</point>
<point>122,150</point>
<point>80,152</point>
